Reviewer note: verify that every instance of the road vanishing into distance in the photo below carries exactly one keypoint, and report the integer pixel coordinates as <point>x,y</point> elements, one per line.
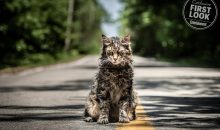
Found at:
<point>52,98</point>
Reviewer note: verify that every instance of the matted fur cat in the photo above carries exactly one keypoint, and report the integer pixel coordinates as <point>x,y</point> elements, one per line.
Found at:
<point>112,97</point>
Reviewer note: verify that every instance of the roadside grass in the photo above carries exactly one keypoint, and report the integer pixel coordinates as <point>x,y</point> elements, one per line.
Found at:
<point>41,59</point>
<point>193,62</point>
<point>29,61</point>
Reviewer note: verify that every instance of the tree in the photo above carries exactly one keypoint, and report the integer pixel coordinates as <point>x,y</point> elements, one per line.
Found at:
<point>158,29</point>
<point>69,23</point>
<point>32,29</point>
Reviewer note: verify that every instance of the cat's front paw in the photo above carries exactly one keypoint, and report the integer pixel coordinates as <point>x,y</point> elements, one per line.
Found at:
<point>132,116</point>
<point>88,119</point>
<point>103,120</point>
<point>123,119</point>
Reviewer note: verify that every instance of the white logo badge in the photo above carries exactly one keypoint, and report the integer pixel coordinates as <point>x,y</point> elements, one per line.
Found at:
<point>200,14</point>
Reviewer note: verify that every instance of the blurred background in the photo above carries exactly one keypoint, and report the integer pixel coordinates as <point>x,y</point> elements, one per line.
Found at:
<point>41,32</point>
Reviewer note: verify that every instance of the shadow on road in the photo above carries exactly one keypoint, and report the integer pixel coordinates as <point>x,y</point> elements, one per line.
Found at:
<point>49,112</point>
<point>172,102</point>
<point>198,86</point>
<point>183,112</point>
<point>65,86</point>
<point>198,105</point>
<point>67,112</point>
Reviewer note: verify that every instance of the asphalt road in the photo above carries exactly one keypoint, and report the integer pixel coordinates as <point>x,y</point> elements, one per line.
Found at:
<point>173,98</point>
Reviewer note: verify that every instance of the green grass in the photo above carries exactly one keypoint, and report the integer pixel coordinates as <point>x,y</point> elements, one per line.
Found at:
<point>193,62</point>
<point>41,59</point>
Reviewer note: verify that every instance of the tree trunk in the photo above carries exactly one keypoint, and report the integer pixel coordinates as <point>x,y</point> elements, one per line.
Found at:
<point>69,25</point>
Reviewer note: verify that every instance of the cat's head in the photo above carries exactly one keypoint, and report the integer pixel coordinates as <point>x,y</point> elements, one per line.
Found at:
<point>116,51</point>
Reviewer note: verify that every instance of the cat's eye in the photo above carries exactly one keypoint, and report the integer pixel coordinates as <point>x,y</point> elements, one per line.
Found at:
<point>110,53</point>
<point>122,53</point>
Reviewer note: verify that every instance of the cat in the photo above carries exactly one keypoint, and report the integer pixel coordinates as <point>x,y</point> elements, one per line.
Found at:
<point>112,97</point>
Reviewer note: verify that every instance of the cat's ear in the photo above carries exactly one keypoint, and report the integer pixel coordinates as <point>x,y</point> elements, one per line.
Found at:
<point>104,37</point>
<point>126,40</point>
<point>105,40</point>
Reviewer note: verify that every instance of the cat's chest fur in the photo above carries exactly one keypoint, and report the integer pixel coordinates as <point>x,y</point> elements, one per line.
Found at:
<point>116,81</point>
<point>115,95</point>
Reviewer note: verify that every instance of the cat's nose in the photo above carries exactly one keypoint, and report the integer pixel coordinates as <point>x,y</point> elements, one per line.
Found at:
<point>115,58</point>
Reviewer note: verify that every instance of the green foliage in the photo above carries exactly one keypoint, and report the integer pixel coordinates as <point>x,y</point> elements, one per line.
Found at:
<point>158,29</point>
<point>46,59</point>
<point>34,30</point>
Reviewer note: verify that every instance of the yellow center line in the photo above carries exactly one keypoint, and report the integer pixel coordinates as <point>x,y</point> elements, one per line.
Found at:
<point>142,122</point>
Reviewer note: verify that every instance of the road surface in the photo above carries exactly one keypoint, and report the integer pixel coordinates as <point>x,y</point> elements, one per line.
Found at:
<point>171,97</point>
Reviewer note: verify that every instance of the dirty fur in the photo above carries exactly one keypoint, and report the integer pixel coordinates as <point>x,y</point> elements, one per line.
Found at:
<point>112,97</point>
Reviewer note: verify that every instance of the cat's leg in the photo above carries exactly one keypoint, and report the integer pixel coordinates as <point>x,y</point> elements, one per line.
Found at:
<point>92,109</point>
<point>123,110</point>
<point>114,112</point>
<point>87,118</point>
<point>134,114</point>
<point>104,102</point>
<point>132,106</point>
<point>104,111</point>
<point>131,114</point>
